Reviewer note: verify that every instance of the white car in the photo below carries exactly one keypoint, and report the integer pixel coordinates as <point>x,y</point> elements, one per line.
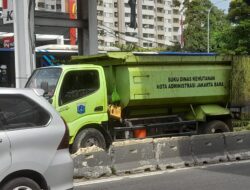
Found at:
<point>34,143</point>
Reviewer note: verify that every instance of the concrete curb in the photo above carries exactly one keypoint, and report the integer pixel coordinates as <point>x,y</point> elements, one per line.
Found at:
<point>208,149</point>
<point>238,145</point>
<point>173,152</point>
<point>92,163</point>
<point>136,156</point>
<point>133,156</point>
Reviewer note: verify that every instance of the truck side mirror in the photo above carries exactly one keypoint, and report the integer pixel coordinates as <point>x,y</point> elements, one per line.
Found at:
<point>45,87</point>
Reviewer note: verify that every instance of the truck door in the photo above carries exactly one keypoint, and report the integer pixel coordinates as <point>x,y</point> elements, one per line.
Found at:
<point>82,98</point>
<point>5,155</point>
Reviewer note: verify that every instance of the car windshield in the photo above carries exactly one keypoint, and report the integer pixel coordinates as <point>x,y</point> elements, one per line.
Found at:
<point>45,79</point>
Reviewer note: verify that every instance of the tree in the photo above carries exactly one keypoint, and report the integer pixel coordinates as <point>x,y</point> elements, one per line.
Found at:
<point>195,31</point>
<point>236,39</point>
<point>239,10</point>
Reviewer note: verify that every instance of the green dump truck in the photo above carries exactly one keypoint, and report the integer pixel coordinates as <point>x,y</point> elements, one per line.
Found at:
<point>117,96</point>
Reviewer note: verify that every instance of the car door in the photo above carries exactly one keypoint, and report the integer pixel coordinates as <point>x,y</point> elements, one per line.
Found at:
<point>28,126</point>
<point>5,154</point>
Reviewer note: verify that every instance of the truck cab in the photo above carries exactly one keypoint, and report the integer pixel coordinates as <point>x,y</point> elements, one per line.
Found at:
<point>78,92</point>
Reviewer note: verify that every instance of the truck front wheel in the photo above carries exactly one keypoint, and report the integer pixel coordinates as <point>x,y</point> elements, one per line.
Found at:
<point>215,127</point>
<point>87,138</point>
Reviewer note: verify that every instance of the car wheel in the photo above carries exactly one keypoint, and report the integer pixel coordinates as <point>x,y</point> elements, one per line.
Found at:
<point>215,127</point>
<point>87,138</point>
<point>21,183</point>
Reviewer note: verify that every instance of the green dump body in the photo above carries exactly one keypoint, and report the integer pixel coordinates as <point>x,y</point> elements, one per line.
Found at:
<point>163,80</point>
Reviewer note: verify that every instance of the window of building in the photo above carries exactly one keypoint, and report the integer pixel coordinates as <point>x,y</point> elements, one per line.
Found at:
<point>18,111</point>
<point>127,14</point>
<point>161,37</point>
<point>132,34</point>
<point>108,5</point>
<point>147,7</point>
<point>108,24</point>
<point>160,19</point>
<point>99,13</point>
<point>176,29</point>
<point>58,7</point>
<point>100,2</point>
<point>41,5</point>
<point>176,20</point>
<point>78,84</point>
<point>176,11</point>
<point>108,15</point>
<point>160,10</point>
<point>100,22</point>
<point>150,26</point>
<point>147,16</point>
<point>160,1</point>
<point>160,27</point>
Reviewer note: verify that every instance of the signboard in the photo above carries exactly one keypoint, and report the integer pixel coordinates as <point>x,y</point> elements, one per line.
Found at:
<point>7,13</point>
<point>72,15</point>
<point>8,42</point>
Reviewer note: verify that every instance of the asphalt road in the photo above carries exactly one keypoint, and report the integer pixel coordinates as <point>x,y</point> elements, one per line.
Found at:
<point>226,176</point>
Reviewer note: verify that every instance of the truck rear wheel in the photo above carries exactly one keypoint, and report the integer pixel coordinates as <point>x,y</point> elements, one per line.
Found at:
<point>87,138</point>
<point>215,127</point>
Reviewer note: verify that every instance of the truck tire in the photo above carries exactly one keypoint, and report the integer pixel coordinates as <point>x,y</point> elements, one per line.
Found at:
<point>21,183</point>
<point>87,138</point>
<point>215,127</point>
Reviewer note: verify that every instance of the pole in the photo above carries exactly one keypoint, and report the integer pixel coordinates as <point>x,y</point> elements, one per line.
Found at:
<point>87,36</point>
<point>208,25</point>
<point>208,29</point>
<point>24,40</point>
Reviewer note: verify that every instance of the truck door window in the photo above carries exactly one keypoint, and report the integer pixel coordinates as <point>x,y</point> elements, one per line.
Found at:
<point>78,84</point>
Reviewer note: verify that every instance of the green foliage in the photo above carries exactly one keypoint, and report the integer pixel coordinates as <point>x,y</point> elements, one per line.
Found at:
<point>239,10</point>
<point>134,47</point>
<point>236,38</point>
<point>241,125</point>
<point>196,24</point>
<point>176,47</point>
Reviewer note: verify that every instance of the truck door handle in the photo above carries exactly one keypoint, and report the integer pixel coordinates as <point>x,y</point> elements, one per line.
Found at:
<point>65,108</point>
<point>98,108</point>
<point>1,140</point>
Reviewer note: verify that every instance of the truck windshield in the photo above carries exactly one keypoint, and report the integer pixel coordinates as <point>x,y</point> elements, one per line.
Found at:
<point>45,79</point>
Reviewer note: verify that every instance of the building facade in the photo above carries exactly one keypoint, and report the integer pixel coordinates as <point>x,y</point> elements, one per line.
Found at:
<point>158,23</point>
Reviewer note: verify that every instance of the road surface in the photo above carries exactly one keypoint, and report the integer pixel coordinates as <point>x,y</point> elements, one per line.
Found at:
<point>226,176</point>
